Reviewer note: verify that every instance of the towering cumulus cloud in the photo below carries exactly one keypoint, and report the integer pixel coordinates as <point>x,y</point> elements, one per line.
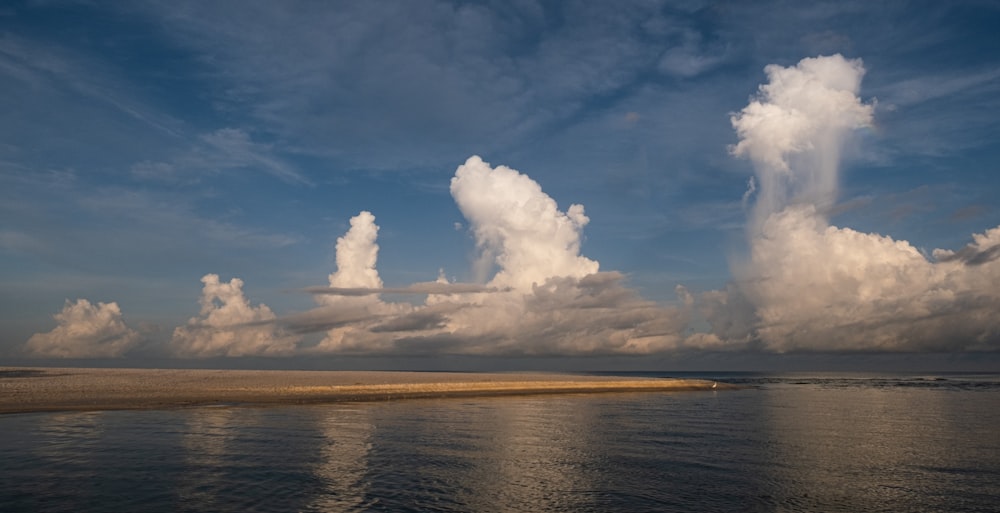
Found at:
<point>543,297</point>
<point>356,257</point>
<point>794,129</point>
<point>813,286</point>
<point>357,254</point>
<point>519,226</point>
<point>85,330</point>
<point>549,299</point>
<point>229,325</point>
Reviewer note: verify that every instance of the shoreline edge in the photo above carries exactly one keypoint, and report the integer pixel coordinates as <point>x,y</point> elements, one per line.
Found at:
<point>42,389</point>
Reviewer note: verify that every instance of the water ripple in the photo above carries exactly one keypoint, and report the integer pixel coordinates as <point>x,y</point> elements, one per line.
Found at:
<point>794,443</point>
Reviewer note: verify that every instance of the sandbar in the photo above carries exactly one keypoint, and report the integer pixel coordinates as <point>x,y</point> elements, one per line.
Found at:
<point>25,390</point>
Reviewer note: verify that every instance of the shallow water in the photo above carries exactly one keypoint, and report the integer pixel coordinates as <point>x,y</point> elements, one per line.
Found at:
<point>792,443</point>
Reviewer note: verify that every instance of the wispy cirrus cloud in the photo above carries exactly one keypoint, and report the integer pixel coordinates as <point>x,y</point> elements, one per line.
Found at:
<point>222,150</point>
<point>327,77</point>
<point>58,70</point>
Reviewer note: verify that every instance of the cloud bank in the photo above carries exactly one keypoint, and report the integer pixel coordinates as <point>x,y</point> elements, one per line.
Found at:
<point>809,285</point>
<point>428,287</point>
<point>85,330</point>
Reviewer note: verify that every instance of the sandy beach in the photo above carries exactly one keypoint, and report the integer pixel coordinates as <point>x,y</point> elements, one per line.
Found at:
<point>67,389</point>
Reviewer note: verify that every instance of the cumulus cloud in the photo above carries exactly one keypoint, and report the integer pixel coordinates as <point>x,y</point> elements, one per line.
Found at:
<point>555,300</point>
<point>836,288</point>
<point>355,287</point>
<point>85,330</point>
<point>357,254</point>
<point>543,298</point>
<point>228,325</point>
<point>794,128</point>
<point>809,285</point>
<point>519,227</point>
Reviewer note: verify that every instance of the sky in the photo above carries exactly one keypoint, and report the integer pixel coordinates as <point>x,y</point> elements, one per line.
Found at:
<point>521,184</point>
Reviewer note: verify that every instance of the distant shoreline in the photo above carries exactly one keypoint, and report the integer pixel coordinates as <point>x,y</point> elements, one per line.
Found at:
<point>36,389</point>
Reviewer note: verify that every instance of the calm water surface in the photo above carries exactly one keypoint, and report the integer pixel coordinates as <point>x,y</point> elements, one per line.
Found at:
<point>792,443</point>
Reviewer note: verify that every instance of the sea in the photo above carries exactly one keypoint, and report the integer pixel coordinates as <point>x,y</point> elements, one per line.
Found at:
<point>785,443</point>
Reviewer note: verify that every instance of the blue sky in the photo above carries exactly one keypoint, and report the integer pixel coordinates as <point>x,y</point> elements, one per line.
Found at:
<point>144,145</point>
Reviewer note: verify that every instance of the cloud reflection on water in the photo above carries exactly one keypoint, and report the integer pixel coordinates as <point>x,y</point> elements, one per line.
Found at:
<point>863,447</point>
<point>346,433</point>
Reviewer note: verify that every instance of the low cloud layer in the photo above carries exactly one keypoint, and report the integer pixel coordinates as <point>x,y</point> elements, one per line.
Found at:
<point>429,287</point>
<point>85,330</point>
<point>809,285</point>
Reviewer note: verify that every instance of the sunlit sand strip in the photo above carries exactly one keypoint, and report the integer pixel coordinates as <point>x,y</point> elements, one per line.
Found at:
<point>47,389</point>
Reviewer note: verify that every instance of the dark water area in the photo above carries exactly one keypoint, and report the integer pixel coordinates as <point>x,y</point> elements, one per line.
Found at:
<point>793,442</point>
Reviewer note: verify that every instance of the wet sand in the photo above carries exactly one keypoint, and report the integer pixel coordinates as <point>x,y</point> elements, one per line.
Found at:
<point>68,389</point>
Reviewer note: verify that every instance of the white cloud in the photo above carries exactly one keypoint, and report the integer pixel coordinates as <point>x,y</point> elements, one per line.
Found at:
<point>545,298</point>
<point>85,330</point>
<point>794,128</point>
<point>819,286</point>
<point>520,226</point>
<point>356,256</point>
<point>812,286</point>
<point>229,325</point>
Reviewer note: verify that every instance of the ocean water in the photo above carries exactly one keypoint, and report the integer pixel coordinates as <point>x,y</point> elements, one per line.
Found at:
<point>818,442</point>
